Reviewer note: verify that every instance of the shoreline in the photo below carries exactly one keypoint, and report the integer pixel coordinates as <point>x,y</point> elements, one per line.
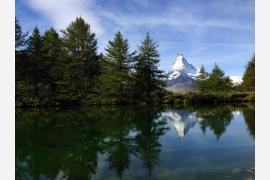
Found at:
<point>188,99</point>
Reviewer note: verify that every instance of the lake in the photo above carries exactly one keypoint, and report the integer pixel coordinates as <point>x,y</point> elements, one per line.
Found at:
<point>136,143</point>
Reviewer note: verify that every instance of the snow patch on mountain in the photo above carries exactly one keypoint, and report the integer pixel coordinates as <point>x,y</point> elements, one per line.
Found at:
<point>182,76</point>
<point>181,65</point>
<point>236,79</point>
<point>182,121</point>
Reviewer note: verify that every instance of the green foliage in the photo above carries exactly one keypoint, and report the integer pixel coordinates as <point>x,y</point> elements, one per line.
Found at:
<point>216,81</point>
<point>200,83</point>
<point>20,37</point>
<point>52,65</point>
<point>116,81</point>
<point>82,66</point>
<point>67,70</point>
<point>209,98</point>
<point>36,66</point>
<point>149,83</point>
<point>249,76</point>
<point>22,64</point>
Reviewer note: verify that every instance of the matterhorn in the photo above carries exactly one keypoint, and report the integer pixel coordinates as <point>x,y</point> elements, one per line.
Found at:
<point>182,76</point>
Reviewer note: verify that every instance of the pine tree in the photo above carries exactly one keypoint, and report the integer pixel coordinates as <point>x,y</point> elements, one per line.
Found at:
<point>53,64</point>
<point>217,80</point>
<point>149,78</point>
<point>35,59</point>
<point>201,82</point>
<point>249,76</point>
<point>21,64</point>
<point>202,74</point>
<point>20,37</point>
<point>80,46</point>
<point>116,80</point>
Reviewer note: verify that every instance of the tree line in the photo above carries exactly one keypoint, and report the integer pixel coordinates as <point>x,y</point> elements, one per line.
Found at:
<point>217,81</point>
<point>67,70</point>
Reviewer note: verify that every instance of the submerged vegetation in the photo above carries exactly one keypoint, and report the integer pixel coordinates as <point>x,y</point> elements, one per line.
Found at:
<point>58,70</point>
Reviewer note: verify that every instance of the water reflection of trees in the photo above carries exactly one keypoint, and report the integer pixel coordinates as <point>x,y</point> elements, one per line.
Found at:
<point>67,142</point>
<point>249,116</point>
<point>216,119</point>
<point>150,127</point>
<point>55,143</point>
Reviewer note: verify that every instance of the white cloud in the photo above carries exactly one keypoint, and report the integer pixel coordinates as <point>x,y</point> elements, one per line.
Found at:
<point>62,12</point>
<point>174,17</point>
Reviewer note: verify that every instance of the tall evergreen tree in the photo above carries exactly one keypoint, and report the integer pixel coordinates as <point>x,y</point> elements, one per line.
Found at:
<point>35,59</point>
<point>217,80</point>
<point>21,64</point>
<point>201,82</point>
<point>116,80</point>
<point>249,76</point>
<point>53,65</point>
<point>149,78</point>
<point>80,46</point>
<point>20,37</point>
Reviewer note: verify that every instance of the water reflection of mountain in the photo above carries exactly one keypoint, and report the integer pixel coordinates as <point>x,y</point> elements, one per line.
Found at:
<point>181,120</point>
<point>67,143</point>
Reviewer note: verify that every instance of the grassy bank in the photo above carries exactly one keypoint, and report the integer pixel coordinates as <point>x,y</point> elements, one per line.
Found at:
<point>209,98</point>
<point>170,99</point>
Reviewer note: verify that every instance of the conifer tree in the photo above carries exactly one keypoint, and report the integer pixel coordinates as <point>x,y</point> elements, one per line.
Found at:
<point>202,73</point>
<point>149,78</point>
<point>80,47</point>
<point>249,76</point>
<point>201,82</point>
<point>21,64</point>
<point>20,37</point>
<point>53,64</point>
<point>217,80</point>
<point>116,79</point>
<point>35,59</point>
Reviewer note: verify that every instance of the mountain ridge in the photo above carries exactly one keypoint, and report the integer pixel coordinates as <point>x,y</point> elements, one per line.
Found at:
<point>182,76</point>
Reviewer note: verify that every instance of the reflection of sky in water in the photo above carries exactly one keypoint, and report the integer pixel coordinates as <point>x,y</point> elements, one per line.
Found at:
<point>202,144</point>
<point>192,154</point>
<point>200,153</point>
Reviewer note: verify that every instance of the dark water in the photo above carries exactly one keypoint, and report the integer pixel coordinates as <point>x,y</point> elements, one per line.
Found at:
<point>136,143</point>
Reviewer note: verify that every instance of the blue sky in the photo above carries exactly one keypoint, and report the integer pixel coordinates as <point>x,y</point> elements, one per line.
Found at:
<point>205,31</point>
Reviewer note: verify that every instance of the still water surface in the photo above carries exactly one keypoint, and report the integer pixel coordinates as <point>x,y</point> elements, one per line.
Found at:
<point>135,143</point>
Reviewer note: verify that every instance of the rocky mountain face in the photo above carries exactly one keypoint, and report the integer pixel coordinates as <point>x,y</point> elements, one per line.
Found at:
<point>182,76</point>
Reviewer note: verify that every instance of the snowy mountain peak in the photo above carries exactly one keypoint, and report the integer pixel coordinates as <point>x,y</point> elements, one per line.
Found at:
<point>181,65</point>
<point>236,79</point>
<point>183,75</point>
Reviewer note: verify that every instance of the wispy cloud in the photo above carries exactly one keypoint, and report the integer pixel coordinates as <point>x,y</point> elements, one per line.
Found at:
<point>205,31</point>
<point>173,20</point>
<point>62,12</point>
<point>187,20</point>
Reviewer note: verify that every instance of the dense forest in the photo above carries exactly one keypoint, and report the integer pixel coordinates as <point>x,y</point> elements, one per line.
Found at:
<point>65,69</point>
